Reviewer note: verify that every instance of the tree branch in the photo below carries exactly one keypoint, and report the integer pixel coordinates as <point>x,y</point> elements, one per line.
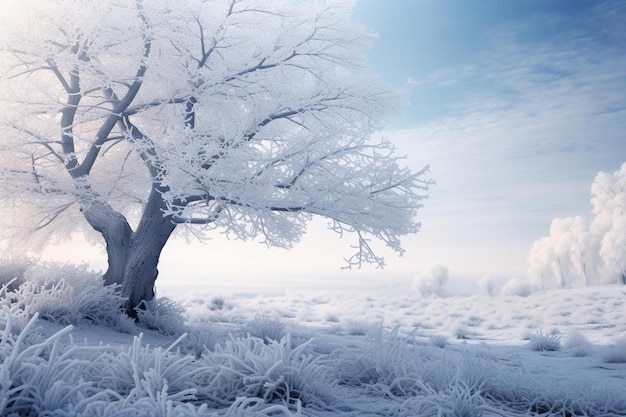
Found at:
<point>156,103</point>
<point>67,122</point>
<point>147,153</point>
<point>120,106</point>
<point>53,67</point>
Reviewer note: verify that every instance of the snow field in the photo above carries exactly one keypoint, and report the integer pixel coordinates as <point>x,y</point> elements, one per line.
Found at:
<point>312,354</point>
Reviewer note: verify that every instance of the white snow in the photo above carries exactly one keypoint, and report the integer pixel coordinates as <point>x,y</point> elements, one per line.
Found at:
<point>331,353</point>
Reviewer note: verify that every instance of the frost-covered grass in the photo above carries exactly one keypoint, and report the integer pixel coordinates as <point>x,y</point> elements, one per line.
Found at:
<point>63,293</point>
<point>544,342</point>
<point>255,356</point>
<point>616,353</point>
<point>578,344</point>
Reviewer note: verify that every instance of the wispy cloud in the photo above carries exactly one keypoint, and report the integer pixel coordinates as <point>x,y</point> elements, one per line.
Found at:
<point>543,109</point>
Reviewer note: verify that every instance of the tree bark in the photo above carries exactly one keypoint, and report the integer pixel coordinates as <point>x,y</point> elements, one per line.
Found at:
<point>132,256</point>
<point>117,235</point>
<point>147,243</point>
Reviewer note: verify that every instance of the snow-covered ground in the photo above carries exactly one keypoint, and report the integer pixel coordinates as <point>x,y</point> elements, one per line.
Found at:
<point>587,327</point>
<point>315,354</point>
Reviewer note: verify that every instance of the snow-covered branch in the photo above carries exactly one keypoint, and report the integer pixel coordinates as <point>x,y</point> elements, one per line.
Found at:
<point>245,116</point>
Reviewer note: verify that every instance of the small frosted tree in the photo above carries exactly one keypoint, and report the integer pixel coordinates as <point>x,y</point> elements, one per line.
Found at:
<point>243,116</point>
<point>487,286</point>
<point>516,287</point>
<point>433,281</point>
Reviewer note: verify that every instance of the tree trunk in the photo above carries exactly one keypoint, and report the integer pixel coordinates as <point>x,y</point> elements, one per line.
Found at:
<point>117,235</point>
<point>147,243</point>
<point>132,256</point>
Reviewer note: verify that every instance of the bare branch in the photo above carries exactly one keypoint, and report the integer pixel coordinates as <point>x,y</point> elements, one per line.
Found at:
<point>120,106</point>
<point>43,223</point>
<point>157,103</point>
<point>53,67</point>
<point>45,142</point>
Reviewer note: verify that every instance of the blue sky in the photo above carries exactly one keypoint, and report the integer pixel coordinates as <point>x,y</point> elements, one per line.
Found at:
<point>516,105</point>
<point>427,40</point>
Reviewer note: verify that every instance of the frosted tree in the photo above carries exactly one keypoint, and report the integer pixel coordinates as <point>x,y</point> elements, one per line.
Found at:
<point>486,286</point>
<point>246,117</point>
<point>432,281</point>
<point>564,259</point>
<point>542,264</point>
<point>608,229</point>
<point>577,253</point>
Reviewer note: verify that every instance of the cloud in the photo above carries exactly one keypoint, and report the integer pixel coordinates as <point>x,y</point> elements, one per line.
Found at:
<point>542,110</point>
<point>552,105</point>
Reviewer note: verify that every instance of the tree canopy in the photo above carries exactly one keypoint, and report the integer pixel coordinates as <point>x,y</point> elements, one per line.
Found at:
<point>246,116</point>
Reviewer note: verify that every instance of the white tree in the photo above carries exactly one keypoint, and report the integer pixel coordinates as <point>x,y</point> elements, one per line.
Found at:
<point>608,229</point>
<point>248,116</point>
<point>433,281</point>
<point>576,253</point>
<point>516,287</point>
<point>487,286</point>
<point>564,259</point>
<point>541,264</point>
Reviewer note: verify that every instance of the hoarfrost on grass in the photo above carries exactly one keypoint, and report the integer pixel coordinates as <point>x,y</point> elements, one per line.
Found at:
<point>616,353</point>
<point>215,371</point>
<point>542,342</point>
<point>578,344</point>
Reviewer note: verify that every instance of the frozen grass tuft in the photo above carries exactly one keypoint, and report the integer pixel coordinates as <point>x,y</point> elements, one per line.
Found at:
<point>40,377</point>
<point>455,400</point>
<point>388,365</point>
<point>143,371</point>
<point>357,327</point>
<point>200,339</point>
<point>332,318</point>
<point>616,353</point>
<point>66,294</point>
<point>277,372</point>
<point>163,315</point>
<point>439,340</point>
<point>126,324</point>
<point>578,344</point>
<point>462,332</point>
<point>541,342</point>
<point>266,327</point>
<point>217,303</point>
